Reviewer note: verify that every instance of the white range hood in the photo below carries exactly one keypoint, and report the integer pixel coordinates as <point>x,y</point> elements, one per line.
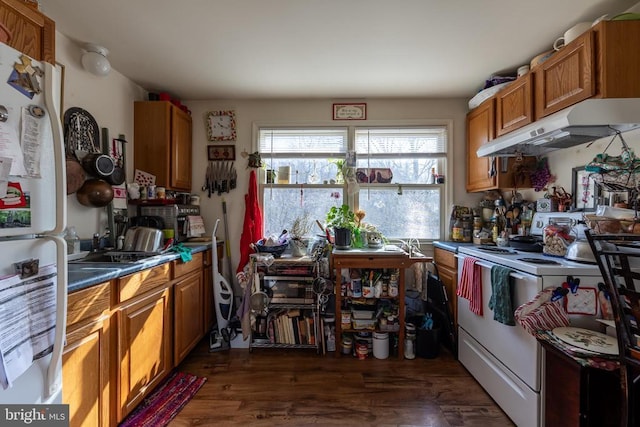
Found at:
<point>581,123</point>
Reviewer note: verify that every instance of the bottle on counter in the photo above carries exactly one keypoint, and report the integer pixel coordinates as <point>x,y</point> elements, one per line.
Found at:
<point>457,231</point>
<point>73,241</point>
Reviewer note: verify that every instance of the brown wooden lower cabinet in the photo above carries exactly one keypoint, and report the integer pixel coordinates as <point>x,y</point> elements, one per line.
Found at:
<point>85,360</point>
<point>144,347</point>
<point>126,335</point>
<point>576,395</point>
<point>447,265</point>
<point>188,314</point>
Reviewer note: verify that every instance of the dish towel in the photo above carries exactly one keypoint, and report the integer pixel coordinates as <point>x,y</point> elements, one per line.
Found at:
<point>500,301</point>
<point>471,284</point>
<point>196,226</point>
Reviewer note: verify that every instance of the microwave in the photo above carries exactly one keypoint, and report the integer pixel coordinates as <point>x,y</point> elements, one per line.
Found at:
<point>174,216</point>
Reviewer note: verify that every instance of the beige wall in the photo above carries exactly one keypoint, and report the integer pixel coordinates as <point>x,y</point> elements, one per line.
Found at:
<point>110,101</point>
<point>307,112</point>
<point>562,162</point>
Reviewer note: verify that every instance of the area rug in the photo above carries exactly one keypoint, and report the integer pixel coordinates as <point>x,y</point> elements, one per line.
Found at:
<point>165,402</point>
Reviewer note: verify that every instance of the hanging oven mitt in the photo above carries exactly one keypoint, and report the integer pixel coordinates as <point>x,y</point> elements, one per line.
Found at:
<point>184,252</point>
<point>580,300</point>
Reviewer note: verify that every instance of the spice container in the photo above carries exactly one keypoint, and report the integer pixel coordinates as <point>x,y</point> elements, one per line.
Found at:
<point>457,231</point>
<point>556,237</point>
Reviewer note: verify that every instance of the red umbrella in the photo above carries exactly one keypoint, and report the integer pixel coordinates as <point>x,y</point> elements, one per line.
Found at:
<point>252,226</point>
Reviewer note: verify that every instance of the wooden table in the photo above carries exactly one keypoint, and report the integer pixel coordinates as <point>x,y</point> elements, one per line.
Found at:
<point>373,259</point>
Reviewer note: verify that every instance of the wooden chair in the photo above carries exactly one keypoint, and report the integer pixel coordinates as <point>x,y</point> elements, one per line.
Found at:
<point>618,257</point>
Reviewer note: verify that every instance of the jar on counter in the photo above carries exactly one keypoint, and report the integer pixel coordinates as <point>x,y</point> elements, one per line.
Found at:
<point>556,236</point>
<point>467,229</point>
<point>457,231</point>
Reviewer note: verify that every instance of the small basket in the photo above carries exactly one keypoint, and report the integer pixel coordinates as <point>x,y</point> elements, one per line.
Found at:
<point>276,250</point>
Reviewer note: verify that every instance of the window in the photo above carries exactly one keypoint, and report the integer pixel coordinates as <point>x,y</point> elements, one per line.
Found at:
<point>411,205</point>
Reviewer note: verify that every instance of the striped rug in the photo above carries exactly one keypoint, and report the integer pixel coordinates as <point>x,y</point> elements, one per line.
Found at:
<point>166,400</point>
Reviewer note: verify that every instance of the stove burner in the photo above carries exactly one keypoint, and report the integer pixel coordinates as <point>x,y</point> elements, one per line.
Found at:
<point>539,261</point>
<point>496,250</point>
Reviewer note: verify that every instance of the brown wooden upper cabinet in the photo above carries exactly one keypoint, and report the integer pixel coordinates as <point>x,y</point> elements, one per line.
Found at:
<point>601,63</point>
<point>162,143</point>
<point>491,173</point>
<point>32,33</point>
<point>514,105</point>
<point>480,130</point>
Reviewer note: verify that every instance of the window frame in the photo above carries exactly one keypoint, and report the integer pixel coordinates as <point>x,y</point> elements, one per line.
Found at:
<point>352,200</point>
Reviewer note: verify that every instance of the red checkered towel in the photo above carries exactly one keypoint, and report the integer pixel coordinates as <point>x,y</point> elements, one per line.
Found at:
<point>470,286</point>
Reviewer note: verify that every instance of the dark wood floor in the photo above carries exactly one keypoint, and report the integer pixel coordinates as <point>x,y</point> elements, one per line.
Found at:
<point>268,387</point>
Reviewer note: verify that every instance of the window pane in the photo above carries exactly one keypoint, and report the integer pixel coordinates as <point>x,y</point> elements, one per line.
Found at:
<point>401,141</point>
<point>414,214</point>
<point>303,140</point>
<point>304,170</point>
<point>283,205</point>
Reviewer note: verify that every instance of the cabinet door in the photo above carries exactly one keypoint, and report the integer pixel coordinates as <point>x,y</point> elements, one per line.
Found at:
<point>144,347</point>
<point>85,374</point>
<point>188,317</point>
<point>450,280</point>
<point>514,105</point>
<point>566,78</point>
<point>480,130</point>
<point>180,150</point>
<point>448,271</point>
<point>162,143</point>
<point>32,33</point>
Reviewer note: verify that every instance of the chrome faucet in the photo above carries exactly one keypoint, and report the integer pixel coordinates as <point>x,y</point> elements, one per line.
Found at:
<point>100,242</point>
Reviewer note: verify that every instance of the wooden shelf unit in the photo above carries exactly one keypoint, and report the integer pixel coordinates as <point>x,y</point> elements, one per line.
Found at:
<point>373,259</point>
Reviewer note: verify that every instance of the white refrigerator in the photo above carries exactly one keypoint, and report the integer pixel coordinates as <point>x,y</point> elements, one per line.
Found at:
<point>33,301</point>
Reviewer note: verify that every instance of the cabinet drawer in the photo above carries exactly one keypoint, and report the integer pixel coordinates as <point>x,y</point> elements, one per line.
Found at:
<point>88,303</point>
<point>181,268</point>
<point>445,258</point>
<point>139,283</point>
<point>372,261</point>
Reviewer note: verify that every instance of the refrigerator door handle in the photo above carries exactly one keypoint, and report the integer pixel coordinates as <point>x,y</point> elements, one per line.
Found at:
<point>51,101</point>
<point>54,372</point>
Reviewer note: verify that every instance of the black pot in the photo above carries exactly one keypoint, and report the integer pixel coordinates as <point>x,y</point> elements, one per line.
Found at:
<point>526,243</point>
<point>342,238</point>
<point>98,165</point>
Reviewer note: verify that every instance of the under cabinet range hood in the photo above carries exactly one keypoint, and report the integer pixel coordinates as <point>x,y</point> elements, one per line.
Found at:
<point>581,123</point>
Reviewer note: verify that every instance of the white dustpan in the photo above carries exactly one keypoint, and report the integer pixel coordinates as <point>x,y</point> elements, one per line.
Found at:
<point>222,292</point>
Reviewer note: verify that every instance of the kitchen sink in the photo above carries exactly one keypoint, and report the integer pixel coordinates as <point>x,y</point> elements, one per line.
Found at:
<point>116,257</point>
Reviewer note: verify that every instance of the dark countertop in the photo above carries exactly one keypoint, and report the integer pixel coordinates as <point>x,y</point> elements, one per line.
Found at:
<point>450,246</point>
<point>86,274</point>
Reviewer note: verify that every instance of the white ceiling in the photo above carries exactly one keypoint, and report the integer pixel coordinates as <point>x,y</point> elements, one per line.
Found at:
<point>212,49</point>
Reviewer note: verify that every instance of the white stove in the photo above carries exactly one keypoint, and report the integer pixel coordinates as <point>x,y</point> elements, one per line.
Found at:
<point>506,360</point>
<point>534,262</point>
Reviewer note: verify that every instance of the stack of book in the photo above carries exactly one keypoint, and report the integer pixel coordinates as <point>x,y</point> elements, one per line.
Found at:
<point>292,326</point>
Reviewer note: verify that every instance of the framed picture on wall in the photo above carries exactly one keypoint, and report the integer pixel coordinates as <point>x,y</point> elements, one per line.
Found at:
<point>584,189</point>
<point>221,152</point>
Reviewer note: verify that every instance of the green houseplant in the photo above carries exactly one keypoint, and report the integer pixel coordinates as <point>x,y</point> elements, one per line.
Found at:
<point>343,221</point>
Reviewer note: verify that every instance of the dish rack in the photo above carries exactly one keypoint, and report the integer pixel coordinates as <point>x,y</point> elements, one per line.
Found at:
<point>129,256</point>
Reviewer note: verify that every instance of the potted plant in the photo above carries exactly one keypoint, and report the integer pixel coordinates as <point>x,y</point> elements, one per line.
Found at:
<point>343,221</point>
<point>299,230</point>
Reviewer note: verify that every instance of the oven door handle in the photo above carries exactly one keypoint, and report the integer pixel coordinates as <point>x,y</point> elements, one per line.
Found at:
<point>518,276</point>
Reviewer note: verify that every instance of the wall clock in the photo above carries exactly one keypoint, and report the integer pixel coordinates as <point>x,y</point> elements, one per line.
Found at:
<point>221,125</point>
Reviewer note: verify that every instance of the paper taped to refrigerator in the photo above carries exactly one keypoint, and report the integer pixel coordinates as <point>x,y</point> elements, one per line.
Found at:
<point>27,321</point>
